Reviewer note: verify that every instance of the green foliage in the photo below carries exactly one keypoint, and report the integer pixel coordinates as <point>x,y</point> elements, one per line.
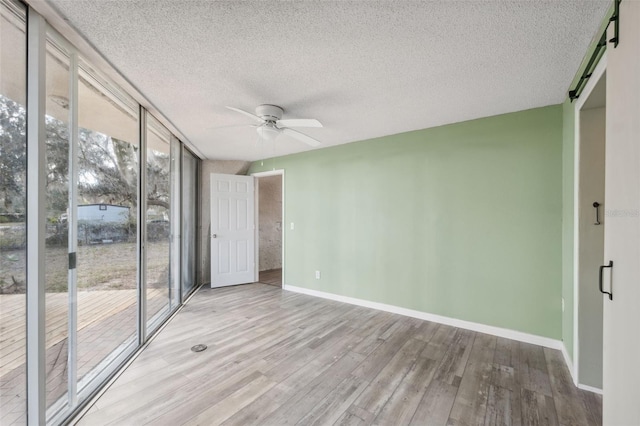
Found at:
<point>13,153</point>
<point>107,167</point>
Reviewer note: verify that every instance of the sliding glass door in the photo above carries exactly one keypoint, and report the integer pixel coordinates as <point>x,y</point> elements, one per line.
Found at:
<point>190,170</point>
<point>13,87</point>
<point>57,296</point>
<point>120,235</point>
<point>162,221</point>
<point>106,225</point>
<point>91,269</point>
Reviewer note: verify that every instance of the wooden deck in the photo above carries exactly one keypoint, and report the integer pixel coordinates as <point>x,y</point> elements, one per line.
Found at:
<point>106,318</point>
<point>276,357</point>
<point>93,307</point>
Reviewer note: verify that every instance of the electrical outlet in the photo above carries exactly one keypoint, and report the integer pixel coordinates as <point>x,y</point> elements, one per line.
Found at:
<point>563,304</point>
<point>292,226</point>
<point>317,275</point>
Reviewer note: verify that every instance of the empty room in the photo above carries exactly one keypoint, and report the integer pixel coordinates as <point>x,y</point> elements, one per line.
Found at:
<point>319,212</point>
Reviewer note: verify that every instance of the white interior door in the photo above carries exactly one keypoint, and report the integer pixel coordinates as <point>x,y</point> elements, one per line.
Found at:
<point>621,374</point>
<point>232,230</point>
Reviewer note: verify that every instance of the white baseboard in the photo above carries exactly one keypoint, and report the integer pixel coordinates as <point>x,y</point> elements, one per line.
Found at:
<point>574,373</point>
<point>590,389</point>
<point>467,325</point>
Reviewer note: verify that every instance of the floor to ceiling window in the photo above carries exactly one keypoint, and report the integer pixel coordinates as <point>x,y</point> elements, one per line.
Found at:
<point>189,233</point>
<point>106,224</point>
<point>57,122</point>
<point>159,222</point>
<point>113,251</point>
<point>12,213</point>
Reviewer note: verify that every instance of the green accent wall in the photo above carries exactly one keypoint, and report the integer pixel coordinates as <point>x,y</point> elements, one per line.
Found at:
<point>463,220</point>
<point>568,182</point>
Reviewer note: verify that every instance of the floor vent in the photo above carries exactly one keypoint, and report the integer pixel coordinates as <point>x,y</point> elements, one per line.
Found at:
<point>198,348</point>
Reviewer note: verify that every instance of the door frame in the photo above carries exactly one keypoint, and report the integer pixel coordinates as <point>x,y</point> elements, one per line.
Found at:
<point>596,75</point>
<point>256,219</point>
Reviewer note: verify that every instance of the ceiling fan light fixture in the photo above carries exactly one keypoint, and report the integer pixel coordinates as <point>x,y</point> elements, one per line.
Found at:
<point>271,124</point>
<point>268,133</point>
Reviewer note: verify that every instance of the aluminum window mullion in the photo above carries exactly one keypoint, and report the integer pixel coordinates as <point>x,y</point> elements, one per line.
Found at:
<point>180,225</point>
<point>198,225</point>
<point>72,221</point>
<point>142,228</point>
<point>36,217</point>
<point>175,214</point>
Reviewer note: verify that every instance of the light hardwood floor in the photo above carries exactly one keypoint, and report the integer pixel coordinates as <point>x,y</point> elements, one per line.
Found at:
<point>276,357</point>
<point>271,277</point>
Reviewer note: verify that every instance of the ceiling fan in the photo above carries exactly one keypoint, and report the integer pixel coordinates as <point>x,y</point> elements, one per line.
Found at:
<point>271,124</point>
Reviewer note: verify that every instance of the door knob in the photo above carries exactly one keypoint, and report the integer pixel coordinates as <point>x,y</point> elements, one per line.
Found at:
<point>214,236</point>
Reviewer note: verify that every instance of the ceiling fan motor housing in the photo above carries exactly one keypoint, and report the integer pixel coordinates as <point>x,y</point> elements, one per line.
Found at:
<point>269,112</point>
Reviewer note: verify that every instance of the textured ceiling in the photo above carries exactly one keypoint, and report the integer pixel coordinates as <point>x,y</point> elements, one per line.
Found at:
<point>364,69</point>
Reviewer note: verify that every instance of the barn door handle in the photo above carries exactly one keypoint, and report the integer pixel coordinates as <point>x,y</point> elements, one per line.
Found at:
<point>610,265</point>
<point>596,205</point>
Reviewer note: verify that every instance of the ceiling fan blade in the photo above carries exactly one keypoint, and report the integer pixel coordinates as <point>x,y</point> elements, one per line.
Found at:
<point>248,114</point>
<point>299,122</point>
<point>301,137</point>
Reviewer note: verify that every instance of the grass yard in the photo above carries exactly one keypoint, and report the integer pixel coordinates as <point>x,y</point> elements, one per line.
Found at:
<point>99,267</point>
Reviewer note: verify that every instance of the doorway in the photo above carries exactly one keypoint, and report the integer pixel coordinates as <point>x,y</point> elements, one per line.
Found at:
<point>270,212</point>
<point>590,125</point>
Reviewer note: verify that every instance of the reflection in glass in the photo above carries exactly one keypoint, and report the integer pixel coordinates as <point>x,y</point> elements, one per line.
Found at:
<point>90,312</point>
<point>174,249</point>
<point>57,234</point>
<point>106,225</point>
<point>158,223</point>
<point>189,216</point>
<point>12,214</point>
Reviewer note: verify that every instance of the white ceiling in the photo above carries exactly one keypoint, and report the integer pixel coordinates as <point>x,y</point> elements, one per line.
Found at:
<point>364,69</point>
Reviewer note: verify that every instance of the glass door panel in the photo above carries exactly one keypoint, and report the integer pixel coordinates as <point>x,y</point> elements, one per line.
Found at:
<point>107,191</point>
<point>57,227</point>
<point>12,214</point>
<point>175,233</point>
<point>189,220</point>
<point>158,223</point>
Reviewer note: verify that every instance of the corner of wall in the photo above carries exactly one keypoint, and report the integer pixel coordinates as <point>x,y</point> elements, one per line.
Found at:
<point>568,148</point>
<point>568,170</point>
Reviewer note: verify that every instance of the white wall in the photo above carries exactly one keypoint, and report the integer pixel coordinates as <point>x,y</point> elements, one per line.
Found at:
<point>230,167</point>
<point>591,249</point>
<point>620,403</point>
<point>270,224</point>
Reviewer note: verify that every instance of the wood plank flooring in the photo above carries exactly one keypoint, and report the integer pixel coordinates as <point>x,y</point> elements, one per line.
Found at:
<point>276,357</point>
<point>271,277</point>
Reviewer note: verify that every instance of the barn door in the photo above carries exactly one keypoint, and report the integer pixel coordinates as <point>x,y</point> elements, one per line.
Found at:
<point>621,272</point>
<point>232,230</point>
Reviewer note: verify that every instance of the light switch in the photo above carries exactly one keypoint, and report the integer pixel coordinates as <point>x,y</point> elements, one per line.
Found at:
<point>292,226</point>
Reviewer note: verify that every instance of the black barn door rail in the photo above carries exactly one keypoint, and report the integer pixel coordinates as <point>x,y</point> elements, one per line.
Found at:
<point>597,53</point>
